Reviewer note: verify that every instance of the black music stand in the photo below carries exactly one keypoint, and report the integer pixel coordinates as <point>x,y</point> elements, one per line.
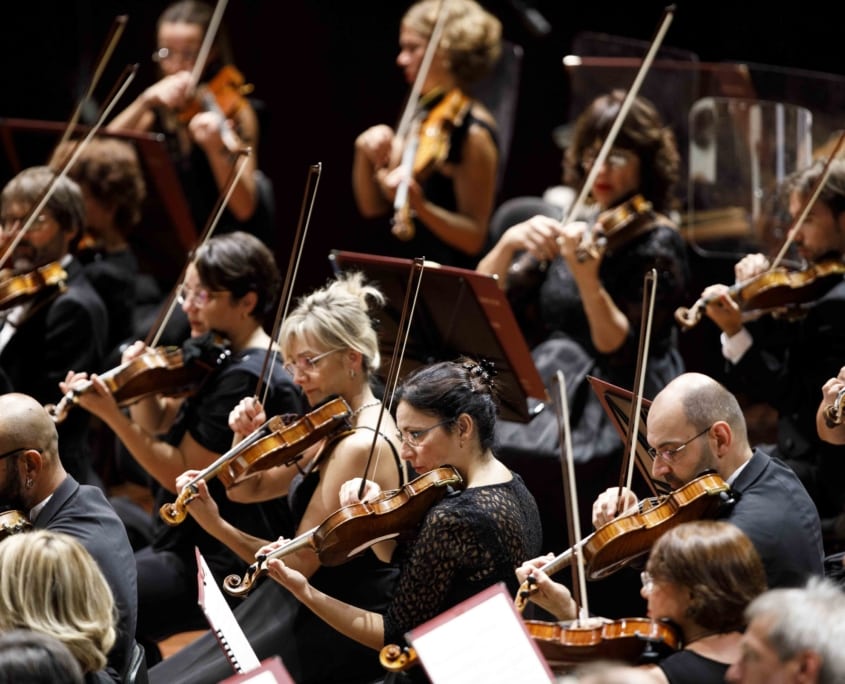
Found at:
<point>458,311</point>
<point>617,403</point>
<point>166,212</point>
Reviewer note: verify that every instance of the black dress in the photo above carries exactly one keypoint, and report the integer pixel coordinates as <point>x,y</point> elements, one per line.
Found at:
<point>688,667</point>
<point>275,623</point>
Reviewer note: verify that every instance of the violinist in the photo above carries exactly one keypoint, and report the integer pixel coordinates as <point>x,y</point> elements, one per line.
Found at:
<point>113,187</point>
<point>452,198</point>
<point>694,425</point>
<point>831,409</point>
<point>330,347</point>
<point>468,541</point>
<point>584,317</point>
<point>54,330</point>
<point>203,145</point>
<point>785,362</point>
<point>229,288</point>
<point>700,576</point>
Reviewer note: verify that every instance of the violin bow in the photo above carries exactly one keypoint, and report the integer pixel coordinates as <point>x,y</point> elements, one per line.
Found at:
<point>207,42</point>
<point>408,129</point>
<point>311,184</point>
<point>585,249</point>
<point>626,475</point>
<point>573,518</point>
<point>403,332</point>
<point>211,224</point>
<point>125,79</point>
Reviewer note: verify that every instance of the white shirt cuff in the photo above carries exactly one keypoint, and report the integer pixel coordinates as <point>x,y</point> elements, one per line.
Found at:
<point>734,347</point>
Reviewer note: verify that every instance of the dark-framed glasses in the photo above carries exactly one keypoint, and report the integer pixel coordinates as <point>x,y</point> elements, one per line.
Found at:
<point>413,437</point>
<point>9,223</point>
<point>669,454</point>
<point>17,451</point>
<point>306,364</point>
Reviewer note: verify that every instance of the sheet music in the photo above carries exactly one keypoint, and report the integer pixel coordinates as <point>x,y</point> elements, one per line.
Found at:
<point>482,639</point>
<point>222,621</point>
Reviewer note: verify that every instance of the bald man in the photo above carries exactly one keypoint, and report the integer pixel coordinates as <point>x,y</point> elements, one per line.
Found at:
<point>33,481</point>
<point>695,424</point>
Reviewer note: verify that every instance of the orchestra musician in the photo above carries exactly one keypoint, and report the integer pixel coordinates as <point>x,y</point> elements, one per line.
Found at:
<point>203,139</point>
<point>229,288</point>
<point>700,576</point>
<point>784,362</point>
<point>695,424</point>
<point>450,200</point>
<point>330,346</point>
<point>55,329</point>
<point>830,428</point>
<point>584,317</point>
<point>34,481</point>
<point>794,636</point>
<point>467,541</point>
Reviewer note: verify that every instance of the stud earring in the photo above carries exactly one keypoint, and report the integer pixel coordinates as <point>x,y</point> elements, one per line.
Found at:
<point>29,483</point>
<point>352,373</point>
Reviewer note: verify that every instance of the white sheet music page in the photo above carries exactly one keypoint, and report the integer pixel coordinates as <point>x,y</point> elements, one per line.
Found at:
<point>222,621</point>
<point>482,639</point>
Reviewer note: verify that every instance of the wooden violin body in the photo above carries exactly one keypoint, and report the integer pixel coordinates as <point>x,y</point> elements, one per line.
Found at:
<point>274,443</point>
<point>779,290</point>
<point>163,370</point>
<point>353,529</point>
<point>629,640</point>
<point>620,541</point>
<point>19,288</point>
<point>224,93</point>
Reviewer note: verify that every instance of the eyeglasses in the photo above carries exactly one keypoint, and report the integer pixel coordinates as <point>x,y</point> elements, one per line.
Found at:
<point>199,297</point>
<point>412,437</point>
<point>306,364</point>
<point>17,451</point>
<point>167,55</point>
<point>668,454</point>
<point>616,159</point>
<point>8,223</point>
<point>647,580</point>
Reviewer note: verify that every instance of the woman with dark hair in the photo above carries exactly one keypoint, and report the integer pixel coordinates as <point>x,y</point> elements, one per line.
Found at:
<point>470,540</point>
<point>584,315</point>
<point>202,140</point>
<point>229,289</point>
<point>700,576</point>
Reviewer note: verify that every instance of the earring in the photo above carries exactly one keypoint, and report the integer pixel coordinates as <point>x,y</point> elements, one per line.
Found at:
<point>352,373</point>
<point>29,483</point>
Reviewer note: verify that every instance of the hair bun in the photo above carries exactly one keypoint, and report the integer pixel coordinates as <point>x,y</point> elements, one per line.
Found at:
<point>482,370</point>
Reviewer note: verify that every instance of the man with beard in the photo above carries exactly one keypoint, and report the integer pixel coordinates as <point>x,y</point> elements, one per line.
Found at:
<point>34,482</point>
<point>56,329</point>
<point>694,425</point>
<point>784,361</point>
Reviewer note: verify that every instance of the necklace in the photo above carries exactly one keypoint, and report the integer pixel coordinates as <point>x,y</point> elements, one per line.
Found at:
<point>362,407</point>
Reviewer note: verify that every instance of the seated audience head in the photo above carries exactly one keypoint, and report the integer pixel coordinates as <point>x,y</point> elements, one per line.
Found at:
<point>702,576</point>
<point>794,635</point>
<point>29,657</point>
<point>49,583</point>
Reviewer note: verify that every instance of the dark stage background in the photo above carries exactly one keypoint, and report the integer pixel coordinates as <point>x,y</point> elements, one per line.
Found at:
<point>325,71</point>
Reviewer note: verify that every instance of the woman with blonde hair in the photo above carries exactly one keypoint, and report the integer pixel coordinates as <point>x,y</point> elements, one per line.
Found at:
<point>49,583</point>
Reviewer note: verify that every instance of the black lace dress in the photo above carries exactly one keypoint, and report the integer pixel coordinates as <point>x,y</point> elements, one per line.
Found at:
<point>471,540</point>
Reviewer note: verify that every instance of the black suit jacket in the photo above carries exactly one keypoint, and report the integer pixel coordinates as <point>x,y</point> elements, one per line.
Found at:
<point>776,513</point>
<point>64,332</point>
<point>83,512</point>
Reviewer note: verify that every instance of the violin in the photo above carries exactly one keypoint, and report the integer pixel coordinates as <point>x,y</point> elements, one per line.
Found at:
<point>620,541</point>
<point>629,640</point>
<point>19,289</point>
<point>170,371</point>
<point>13,522</point>
<point>614,228</point>
<point>224,93</point>
<point>428,148</point>
<point>277,442</point>
<point>777,290</point>
<point>353,529</point>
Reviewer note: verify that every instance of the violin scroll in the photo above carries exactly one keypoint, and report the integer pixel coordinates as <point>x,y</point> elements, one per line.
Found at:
<point>833,414</point>
<point>394,658</point>
<point>175,513</point>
